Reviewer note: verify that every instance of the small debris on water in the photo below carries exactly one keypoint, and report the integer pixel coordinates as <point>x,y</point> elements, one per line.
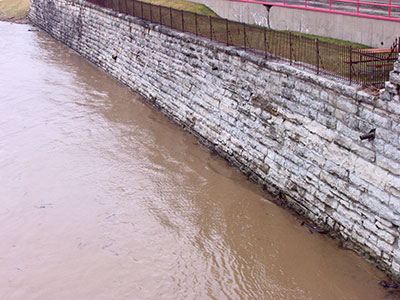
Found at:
<point>388,285</point>
<point>82,245</point>
<point>45,205</point>
<point>310,229</point>
<point>280,200</point>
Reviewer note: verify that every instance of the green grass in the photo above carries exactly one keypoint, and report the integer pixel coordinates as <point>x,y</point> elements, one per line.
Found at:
<point>14,10</point>
<point>185,5</point>
<point>330,40</point>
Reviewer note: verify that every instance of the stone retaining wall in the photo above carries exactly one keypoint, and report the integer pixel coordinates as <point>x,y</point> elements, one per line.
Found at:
<point>293,132</point>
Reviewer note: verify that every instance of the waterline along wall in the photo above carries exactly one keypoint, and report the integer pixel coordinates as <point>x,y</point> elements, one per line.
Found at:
<point>293,132</point>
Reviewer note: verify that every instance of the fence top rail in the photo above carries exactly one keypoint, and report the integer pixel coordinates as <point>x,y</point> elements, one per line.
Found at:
<point>377,50</point>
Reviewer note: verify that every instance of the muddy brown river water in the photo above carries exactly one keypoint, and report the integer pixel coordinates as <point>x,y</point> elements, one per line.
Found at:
<point>101,197</point>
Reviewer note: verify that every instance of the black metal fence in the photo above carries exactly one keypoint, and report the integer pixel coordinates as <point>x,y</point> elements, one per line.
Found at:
<point>367,67</point>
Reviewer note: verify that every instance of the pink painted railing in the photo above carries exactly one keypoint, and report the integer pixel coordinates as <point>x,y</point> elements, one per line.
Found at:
<point>357,8</point>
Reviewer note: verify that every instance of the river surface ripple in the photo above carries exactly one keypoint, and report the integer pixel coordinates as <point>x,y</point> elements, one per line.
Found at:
<point>102,198</point>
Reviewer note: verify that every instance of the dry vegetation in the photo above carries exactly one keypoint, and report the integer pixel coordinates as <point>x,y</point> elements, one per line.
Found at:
<point>185,5</point>
<point>14,10</point>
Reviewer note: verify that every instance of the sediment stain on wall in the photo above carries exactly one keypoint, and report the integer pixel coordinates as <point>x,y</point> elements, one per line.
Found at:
<point>293,132</point>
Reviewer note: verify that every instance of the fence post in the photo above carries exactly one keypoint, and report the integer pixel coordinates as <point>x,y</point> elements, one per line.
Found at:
<point>151,13</point>
<point>211,31</point>
<point>183,22</point>
<point>133,8</point>
<point>141,9</point>
<point>350,63</point>
<point>160,15</point>
<point>398,47</point>
<point>244,36</point>
<point>290,45</point>
<point>195,22</point>
<point>317,53</point>
<point>265,42</point>
<point>227,32</point>
<point>170,15</point>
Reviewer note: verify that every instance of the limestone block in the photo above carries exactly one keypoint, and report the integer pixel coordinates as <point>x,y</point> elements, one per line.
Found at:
<point>394,78</point>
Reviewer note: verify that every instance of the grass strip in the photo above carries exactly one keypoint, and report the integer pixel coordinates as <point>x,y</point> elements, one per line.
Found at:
<point>14,10</point>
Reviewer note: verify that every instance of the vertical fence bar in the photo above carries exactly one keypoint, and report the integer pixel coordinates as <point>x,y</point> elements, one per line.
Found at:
<point>398,47</point>
<point>290,45</point>
<point>126,7</point>
<point>211,29</point>
<point>151,13</point>
<point>133,8</point>
<point>227,31</point>
<point>265,41</point>
<point>160,15</point>
<point>183,21</point>
<point>141,9</point>
<point>317,53</point>
<point>170,16</point>
<point>358,6</point>
<point>195,23</point>
<point>350,63</point>
<point>330,4</point>
<point>244,36</point>
<point>390,7</point>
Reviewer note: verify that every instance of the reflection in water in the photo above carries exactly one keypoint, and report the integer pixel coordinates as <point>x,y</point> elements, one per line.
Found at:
<point>103,198</point>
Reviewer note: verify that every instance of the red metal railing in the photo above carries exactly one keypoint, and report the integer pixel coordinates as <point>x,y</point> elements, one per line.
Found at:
<point>380,9</point>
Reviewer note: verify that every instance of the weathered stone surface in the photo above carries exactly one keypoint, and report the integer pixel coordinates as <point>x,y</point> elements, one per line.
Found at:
<point>288,130</point>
